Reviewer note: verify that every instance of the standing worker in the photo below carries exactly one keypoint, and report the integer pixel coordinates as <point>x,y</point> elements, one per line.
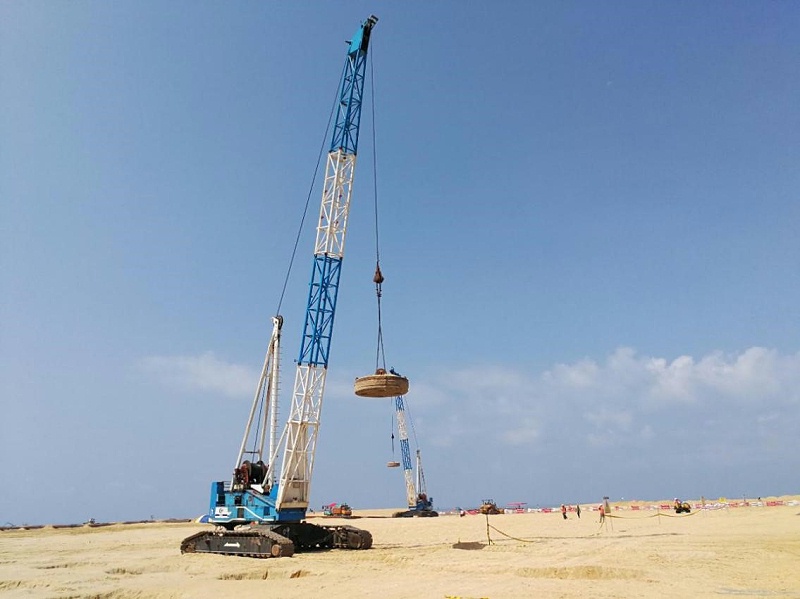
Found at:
<point>578,510</point>
<point>602,513</point>
<point>564,511</point>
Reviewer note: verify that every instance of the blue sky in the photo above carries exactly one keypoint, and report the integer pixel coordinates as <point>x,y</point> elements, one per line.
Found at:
<point>588,230</point>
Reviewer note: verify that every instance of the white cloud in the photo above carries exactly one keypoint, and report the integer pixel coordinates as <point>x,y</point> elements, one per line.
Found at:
<point>755,375</point>
<point>626,400</point>
<point>524,432</point>
<point>204,372</point>
<point>673,381</point>
<point>605,418</point>
<point>582,375</point>
<point>628,421</point>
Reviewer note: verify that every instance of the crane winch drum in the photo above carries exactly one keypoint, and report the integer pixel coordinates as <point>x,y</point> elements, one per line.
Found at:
<point>381,384</point>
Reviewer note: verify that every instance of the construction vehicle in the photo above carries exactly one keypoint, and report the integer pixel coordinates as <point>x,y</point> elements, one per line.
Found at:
<point>488,506</point>
<point>259,513</point>
<point>682,507</point>
<point>419,504</point>
<point>337,510</point>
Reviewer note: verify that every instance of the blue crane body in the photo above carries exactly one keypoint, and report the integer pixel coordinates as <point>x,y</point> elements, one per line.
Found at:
<point>260,512</point>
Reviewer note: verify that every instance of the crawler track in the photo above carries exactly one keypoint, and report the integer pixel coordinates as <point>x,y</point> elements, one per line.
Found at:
<point>277,540</point>
<point>257,541</point>
<point>350,537</point>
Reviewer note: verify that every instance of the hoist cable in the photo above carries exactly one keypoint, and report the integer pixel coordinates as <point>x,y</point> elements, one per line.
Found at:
<point>374,161</point>
<point>380,354</point>
<point>310,191</point>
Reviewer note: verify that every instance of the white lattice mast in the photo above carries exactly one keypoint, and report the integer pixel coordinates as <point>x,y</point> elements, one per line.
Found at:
<point>405,452</point>
<point>266,396</point>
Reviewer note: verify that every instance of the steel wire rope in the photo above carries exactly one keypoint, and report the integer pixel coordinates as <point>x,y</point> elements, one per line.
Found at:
<point>380,353</point>
<point>302,222</point>
<point>310,191</point>
<point>261,406</point>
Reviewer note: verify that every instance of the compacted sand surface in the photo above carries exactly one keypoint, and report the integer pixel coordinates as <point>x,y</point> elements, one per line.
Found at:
<point>726,552</point>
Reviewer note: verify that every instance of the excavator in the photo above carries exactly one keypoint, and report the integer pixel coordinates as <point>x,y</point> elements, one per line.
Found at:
<point>261,510</point>
<point>682,506</point>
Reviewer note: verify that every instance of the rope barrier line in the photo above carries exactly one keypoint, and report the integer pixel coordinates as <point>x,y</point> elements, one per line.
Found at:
<point>635,517</point>
<point>678,515</point>
<point>656,515</point>
<point>508,535</point>
<point>602,524</point>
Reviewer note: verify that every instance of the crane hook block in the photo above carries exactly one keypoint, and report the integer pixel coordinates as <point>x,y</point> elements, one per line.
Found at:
<point>378,278</point>
<point>381,384</point>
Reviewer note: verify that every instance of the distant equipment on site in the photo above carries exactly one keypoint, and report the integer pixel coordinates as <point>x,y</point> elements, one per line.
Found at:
<point>341,510</point>
<point>489,507</point>
<point>418,501</point>
<point>682,507</point>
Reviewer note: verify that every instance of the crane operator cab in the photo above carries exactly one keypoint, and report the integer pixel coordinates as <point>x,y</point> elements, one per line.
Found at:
<point>423,503</point>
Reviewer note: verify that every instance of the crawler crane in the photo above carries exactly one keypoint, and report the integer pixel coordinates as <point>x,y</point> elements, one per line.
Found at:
<point>257,513</point>
<point>419,504</point>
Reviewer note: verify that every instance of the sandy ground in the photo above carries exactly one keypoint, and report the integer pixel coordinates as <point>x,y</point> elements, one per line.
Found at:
<point>737,552</point>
